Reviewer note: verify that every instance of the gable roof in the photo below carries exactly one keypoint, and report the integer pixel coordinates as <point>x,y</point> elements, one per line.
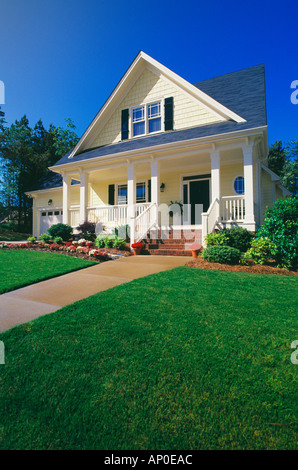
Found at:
<point>139,64</point>
<point>243,92</point>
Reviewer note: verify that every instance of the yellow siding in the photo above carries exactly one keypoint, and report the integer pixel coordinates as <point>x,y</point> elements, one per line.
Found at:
<point>172,187</point>
<point>150,87</point>
<point>278,193</point>
<point>98,194</point>
<point>227,175</point>
<point>43,197</point>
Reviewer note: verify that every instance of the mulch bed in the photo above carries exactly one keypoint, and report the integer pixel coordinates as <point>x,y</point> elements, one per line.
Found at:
<point>255,268</point>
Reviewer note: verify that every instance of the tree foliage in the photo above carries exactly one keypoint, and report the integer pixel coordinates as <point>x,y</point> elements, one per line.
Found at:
<point>283,160</point>
<point>25,155</point>
<point>281,227</point>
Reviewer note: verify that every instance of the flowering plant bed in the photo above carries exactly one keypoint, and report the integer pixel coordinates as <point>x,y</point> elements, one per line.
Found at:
<point>82,249</point>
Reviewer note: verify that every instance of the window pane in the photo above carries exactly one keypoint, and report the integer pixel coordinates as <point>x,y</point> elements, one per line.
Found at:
<point>239,185</point>
<point>141,192</point>
<point>122,194</point>
<point>153,110</point>
<point>138,114</point>
<point>155,125</point>
<point>139,128</point>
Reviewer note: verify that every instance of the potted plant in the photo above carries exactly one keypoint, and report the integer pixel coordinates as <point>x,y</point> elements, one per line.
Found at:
<point>195,248</point>
<point>137,248</point>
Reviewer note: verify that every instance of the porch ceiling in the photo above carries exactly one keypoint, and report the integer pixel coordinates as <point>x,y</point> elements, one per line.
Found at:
<point>184,163</point>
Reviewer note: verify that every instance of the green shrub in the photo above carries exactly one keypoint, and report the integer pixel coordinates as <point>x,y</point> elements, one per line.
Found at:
<point>281,227</point>
<point>238,237</point>
<point>261,251</point>
<point>216,238</point>
<point>99,242</point>
<point>109,241</point>
<point>61,230</point>
<point>119,243</point>
<point>45,237</point>
<point>222,254</point>
<point>31,239</point>
<point>58,240</point>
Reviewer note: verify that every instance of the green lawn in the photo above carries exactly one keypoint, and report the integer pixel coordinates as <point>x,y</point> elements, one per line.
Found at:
<point>13,236</point>
<point>184,359</point>
<point>20,268</point>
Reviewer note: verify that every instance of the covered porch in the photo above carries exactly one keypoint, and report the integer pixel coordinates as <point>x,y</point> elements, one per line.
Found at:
<point>139,191</point>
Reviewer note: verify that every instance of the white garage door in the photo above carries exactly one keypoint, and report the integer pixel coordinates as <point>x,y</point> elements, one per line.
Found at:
<point>48,218</point>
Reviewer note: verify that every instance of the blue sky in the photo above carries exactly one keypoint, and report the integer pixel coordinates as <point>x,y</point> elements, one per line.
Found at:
<point>62,58</point>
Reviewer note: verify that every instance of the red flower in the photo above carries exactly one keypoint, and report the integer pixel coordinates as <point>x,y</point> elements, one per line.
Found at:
<point>137,245</point>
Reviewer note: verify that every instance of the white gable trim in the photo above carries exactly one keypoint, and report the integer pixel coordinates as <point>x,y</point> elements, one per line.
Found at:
<point>219,110</point>
<point>273,176</point>
<point>193,90</point>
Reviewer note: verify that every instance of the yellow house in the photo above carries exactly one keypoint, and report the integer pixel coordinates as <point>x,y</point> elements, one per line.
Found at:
<point>158,140</point>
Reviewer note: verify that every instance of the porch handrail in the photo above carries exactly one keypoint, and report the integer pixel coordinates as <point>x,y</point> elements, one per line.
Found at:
<point>210,218</point>
<point>232,208</point>
<point>145,221</point>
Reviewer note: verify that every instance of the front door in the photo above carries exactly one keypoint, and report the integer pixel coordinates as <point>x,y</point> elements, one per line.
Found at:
<point>197,196</point>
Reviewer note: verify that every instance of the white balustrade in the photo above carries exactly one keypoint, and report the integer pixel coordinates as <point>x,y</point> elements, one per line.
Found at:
<point>232,209</point>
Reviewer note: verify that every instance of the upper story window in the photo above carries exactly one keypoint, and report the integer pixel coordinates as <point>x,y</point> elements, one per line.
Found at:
<point>146,119</point>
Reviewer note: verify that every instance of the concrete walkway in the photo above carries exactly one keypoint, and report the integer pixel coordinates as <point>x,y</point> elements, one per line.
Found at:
<point>27,303</point>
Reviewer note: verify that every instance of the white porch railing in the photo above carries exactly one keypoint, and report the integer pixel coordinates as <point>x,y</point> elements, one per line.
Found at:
<point>74,216</point>
<point>210,219</point>
<point>145,221</point>
<point>107,215</point>
<point>232,209</point>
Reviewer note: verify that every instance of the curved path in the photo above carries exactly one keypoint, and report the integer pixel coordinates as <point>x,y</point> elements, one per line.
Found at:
<point>27,303</point>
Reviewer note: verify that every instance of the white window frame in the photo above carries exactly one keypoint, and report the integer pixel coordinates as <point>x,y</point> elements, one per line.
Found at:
<point>162,126</point>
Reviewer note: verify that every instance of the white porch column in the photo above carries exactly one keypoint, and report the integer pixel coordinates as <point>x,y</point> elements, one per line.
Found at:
<point>248,187</point>
<point>66,198</point>
<point>215,175</point>
<point>155,187</point>
<point>131,199</point>
<point>83,195</point>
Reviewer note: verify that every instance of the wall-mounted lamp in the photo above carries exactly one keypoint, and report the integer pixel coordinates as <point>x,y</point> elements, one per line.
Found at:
<point>50,202</point>
<point>162,187</point>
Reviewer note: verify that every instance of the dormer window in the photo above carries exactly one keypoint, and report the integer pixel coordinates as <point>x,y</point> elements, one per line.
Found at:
<point>146,119</point>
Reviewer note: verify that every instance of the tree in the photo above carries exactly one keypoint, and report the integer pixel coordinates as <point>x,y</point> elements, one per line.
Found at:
<point>277,157</point>
<point>284,162</point>
<point>64,139</point>
<point>25,155</point>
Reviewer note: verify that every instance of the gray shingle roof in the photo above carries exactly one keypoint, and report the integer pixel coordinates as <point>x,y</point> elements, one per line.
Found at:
<point>242,92</point>
<point>49,181</point>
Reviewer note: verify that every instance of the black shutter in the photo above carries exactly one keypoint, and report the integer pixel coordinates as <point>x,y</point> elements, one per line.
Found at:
<point>149,190</point>
<point>169,105</point>
<point>111,194</point>
<point>124,124</point>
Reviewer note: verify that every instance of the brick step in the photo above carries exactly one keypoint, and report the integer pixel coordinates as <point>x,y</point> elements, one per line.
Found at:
<point>167,252</point>
<point>171,235</point>
<point>168,247</point>
<point>171,241</point>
